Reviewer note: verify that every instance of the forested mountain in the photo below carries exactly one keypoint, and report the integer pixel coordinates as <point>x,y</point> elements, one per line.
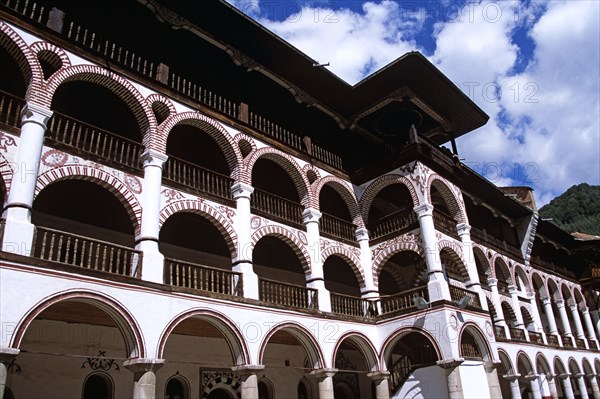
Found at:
<point>577,209</point>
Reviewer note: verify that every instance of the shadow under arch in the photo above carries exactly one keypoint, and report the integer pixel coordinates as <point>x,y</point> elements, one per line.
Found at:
<point>316,360</point>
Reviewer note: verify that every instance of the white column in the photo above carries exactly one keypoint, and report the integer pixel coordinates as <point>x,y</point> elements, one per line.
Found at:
<point>594,384</point>
<point>437,285</point>
<point>18,230</point>
<point>380,378</point>
<point>493,284</point>
<point>249,380</point>
<point>578,326</point>
<point>583,394</point>
<point>585,311</point>
<point>491,373</point>
<point>547,302</point>
<point>535,314</point>
<point>6,357</point>
<point>549,386</point>
<point>324,379</point>
<point>243,263</point>
<point>534,385</point>
<point>366,262</point>
<point>512,289</point>
<point>144,376</point>
<point>560,304</point>
<point>596,319</point>
<point>463,231</point>
<point>310,218</point>
<point>451,367</point>
<point>566,383</point>
<point>513,379</point>
<point>147,242</point>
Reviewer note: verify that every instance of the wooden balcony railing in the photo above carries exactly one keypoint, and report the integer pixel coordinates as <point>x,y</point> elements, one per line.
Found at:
<point>445,223</point>
<point>580,343</point>
<point>457,293</point>
<point>289,295</point>
<point>567,342</point>
<point>27,8</point>
<point>482,235</point>
<point>352,306</point>
<point>535,337</point>
<point>203,278</point>
<point>500,333</point>
<point>517,334</point>
<point>397,223</point>
<point>197,178</point>
<point>593,344</point>
<point>553,340</point>
<point>104,145</point>
<point>273,206</point>
<point>402,300</point>
<point>202,95</point>
<point>338,229</point>
<point>10,110</point>
<point>86,253</point>
<point>550,266</point>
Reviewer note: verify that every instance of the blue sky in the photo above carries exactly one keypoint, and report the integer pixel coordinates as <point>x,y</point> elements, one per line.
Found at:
<point>533,66</point>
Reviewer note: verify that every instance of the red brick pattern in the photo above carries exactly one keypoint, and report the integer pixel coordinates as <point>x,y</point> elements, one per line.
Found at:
<point>6,172</point>
<point>38,47</point>
<point>379,184</point>
<point>100,176</point>
<point>289,238</point>
<point>207,211</point>
<point>157,98</point>
<point>351,259</point>
<point>456,253</point>
<point>455,205</point>
<point>390,250</point>
<point>342,188</point>
<point>499,263</point>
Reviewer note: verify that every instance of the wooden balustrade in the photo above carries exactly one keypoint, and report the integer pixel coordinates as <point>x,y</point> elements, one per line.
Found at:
<point>535,337</point>
<point>402,300</point>
<point>27,8</point>
<point>482,235</point>
<point>338,229</point>
<point>10,110</point>
<point>74,134</point>
<point>203,278</point>
<point>325,156</point>
<point>457,293</point>
<point>198,178</point>
<point>399,372</point>
<point>517,334</point>
<point>567,341</point>
<point>397,223</point>
<point>500,333</point>
<point>87,253</point>
<point>273,206</point>
<point>445,223</point>
<point>289,295</point>
<point>593,344</point>
<point>352,306</point>
<point>203,95</point>
<point>553,340</point>
<point>580,343</point>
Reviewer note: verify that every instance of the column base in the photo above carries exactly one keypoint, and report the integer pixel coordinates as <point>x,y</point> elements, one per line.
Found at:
<point>438,288</point>
<point>153,262</point>
<point>323,294</point>
<point>18,237</point>
<point>250,279</point>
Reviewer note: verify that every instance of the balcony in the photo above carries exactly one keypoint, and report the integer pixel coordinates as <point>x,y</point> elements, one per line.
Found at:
<point>197,179</point>
<point>580,343</point>
<point>593,344</point>
<point>445,224</point>
<point>81,138</point>
<point>352,306</point>
<point>273,206</point>
<point>287,295</point>
<point>10,111</point>
<point>457,293</point>
<point>402,301</point>
<point>567,342</point>
<point>500,333</point>
<point>517,334</point>
<point>86,253</point>
<point>396,223</point>
<point>337,229</point>
<point>553,340</point>
<point>501,245</point>
<point>202,278</point>
<point>535,337</point>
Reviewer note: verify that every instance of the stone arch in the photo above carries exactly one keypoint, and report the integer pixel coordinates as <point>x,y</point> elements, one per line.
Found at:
<point>222,218</point>
<point>119,189</point>
<point>391,339</point>
<point>553,289</point>
<point>25,59</point>
<point>228,384</point>
<point>341,187</point>
<point>573,366</point>
<point>499,265</point>
<point>350,257</point>
<point>303,335</point>
<point>541,364</point>
<point>519,272</point>
<point>231,333</point>
<point>366,199</point>
<point>126,323</point>
<point>288,237</point>
<point>453,200</point>
<point>455,252</point>
<point>578,297</point>
<point>480,258</point>
<point>523,358</point>
<point>506,362</point>
<point>363,344</point>
<point>288,164</point>
<point>566,291</point>
<point>116,84</point>
<point>389,249</point>
<point>482,343</point>
<point>209,126</point>
<point>41,46</point>
<point>241,140</point>
<point>164,101</point>
<point>559,366</point>
<point>537,279</point>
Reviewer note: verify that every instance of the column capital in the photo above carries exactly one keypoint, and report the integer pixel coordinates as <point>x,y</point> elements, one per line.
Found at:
<point>491,365</point>
<point>492,281</point>
<point>241,190</point>
<point>463,228</point>
<point>362,234</point>
<point>530,376</point>
<point>531,295</point>
<point>450,363</point>
<point>511,377</point>
<point>512,289</point>
<point>245,370</point>
<point>560,303</point>
<point>563,376</point>
<point>311,215</point>
<point>379,375</point>
<point>321,374</point>
<point>142,365</point>
<point>546,300</point>
<point>423,210</point>
<point>573,307</point>
<point>578,375</point>
<point>584,310</point>
<point>153,158</point>
<point>33,113</point>
<point>8,354</point>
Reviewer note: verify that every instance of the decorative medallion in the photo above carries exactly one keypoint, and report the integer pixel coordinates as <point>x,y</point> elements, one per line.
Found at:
<point>6,141</point>
<point>171,195</point>
<point>453,322</point>
<point>100,362</point>
<point>133,183</point>
<point>255,222</point>
<point>302,238</point>
<point>489,330</point>
<point>54,158</point>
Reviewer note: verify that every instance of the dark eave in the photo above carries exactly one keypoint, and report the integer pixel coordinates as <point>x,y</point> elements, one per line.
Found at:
<point>317,86</point>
